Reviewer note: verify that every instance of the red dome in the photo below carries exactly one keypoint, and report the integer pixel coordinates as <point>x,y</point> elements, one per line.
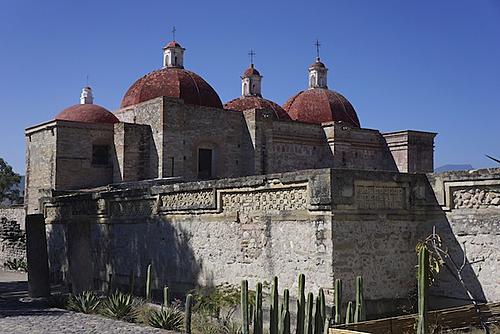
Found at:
<point>317,64</point>
<point>250,102</point>
<point>321,105</point>
<point>173,82</point>
<point>89,113</point>
<point>172,44</point>
<point>250,71</point>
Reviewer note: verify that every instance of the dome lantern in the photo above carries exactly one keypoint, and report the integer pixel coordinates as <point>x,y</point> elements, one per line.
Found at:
<point>317,72</point>
<point>251,80</point>
<point>86,97</point>
<point>173,53</point>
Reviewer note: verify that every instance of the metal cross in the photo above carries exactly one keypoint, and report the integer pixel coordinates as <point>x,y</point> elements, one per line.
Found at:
<point>251,54</point>
<point>173,33</point>
<point>317,48</point>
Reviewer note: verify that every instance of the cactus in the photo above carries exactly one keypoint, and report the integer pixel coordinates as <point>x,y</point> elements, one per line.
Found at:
<point>148,282</point>
<point>309,321</point>
<point>131,282</point>
<point>338,301</point>
<point>166,296</point>
<point>318,321</point>
<point>187,314</point>
<point>284,327</point>
<point>359,313</point>
<point>322,304</point>
<point>245,329</point>
<point>326,325</point>
<point>257,320</point>
<point>423,283</point>
<point>301,307</point>
<point>348,314</point>
<point>274,309</point>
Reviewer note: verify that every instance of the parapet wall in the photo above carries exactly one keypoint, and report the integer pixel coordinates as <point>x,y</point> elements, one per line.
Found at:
<point>325,223</point>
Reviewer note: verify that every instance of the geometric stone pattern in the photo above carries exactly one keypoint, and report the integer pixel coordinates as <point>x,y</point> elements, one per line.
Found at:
<point>264,200</point>
<point>133,208</point>
<point>476,198</point>
<point>373,197</point>
<point>188,200</point>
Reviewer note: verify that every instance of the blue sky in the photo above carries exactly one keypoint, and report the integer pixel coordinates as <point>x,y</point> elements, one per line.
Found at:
<point>423,65</point>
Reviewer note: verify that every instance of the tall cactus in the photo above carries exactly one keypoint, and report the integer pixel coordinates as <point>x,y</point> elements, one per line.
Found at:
<point>284,327</point>
<point>423,283</point>
<point>322,304</point>
<point>148,282</point>
<point>166,296</point>
<point>338,301</point>
<point>309,320</point>
<point>245,329</point>
<point>318,320</point>
<point>274,309</point>
<point>301,305</point>
<point>187,313</point>
<point>348,314</point>
<point>359,312</point>
<point>257,320</point>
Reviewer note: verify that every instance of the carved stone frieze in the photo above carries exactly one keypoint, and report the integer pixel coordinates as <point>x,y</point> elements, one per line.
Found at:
<point>380,197</point>
<point>477,197</point>
<point>265,200</point>
<point>188,200</point>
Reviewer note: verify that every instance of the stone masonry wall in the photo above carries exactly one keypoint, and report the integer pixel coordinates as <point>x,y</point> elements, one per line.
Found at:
<point>471,213</point>
<point>12,241</point>
<point>324,223</point>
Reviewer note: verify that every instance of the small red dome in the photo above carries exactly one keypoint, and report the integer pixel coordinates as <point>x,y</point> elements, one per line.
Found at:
<point>172,82</point>
<point>243,103</point>
<point>317,64</point>
<point>319,105</point>
<point>172,44</point>
<point>89,113</point>
<point>250,71</point>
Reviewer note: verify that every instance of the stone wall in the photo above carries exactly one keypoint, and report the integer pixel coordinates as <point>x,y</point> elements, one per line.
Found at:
<point>15,213</point>
<point>12,241</point>
<point>413,151</point>
<point>325,223</point>
<point>470,202</point>
<point>40,163</point>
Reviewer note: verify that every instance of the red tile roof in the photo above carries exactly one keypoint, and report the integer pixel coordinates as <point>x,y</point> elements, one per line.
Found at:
<point>173,82</point>
<point>88,113</point>
<point>319,105</point>
<point>250,102</point>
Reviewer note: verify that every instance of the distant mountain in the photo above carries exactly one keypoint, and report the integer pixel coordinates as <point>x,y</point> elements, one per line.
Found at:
<point>452,167</point>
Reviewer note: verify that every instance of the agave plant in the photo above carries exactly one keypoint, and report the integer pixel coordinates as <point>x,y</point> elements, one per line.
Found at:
<point>120,306</point>
<point>86,302</point>
<point>170,318</point>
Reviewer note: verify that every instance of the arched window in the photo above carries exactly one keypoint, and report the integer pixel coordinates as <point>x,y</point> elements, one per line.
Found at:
<point>175,63</point>
<point>312,80</point>
<point>166,60</point>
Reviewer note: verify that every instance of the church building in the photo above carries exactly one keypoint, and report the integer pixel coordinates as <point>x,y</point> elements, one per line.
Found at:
<point>172,123</point>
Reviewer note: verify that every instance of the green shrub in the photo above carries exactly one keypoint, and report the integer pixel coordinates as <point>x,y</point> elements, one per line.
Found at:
<point>170,318</point>
<point>86,302</point>
<point>58,300</point>
<point>121,306</point>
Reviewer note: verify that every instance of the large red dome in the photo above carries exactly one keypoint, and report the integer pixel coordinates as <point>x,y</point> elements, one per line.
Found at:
<point>319,105</point>
<point>89,113</point>
<point>173,82</point>
<point>243,103</point>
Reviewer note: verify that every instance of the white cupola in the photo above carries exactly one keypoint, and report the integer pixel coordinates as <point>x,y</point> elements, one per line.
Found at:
<point>173,55</point>
<point>86,96</point>
<point>251,82</point>
<point>318,75</point>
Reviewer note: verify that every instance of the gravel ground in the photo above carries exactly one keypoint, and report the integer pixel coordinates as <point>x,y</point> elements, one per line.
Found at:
<point>17,316</point>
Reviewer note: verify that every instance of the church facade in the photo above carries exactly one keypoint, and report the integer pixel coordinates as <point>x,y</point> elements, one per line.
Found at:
<point>172,123</point>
